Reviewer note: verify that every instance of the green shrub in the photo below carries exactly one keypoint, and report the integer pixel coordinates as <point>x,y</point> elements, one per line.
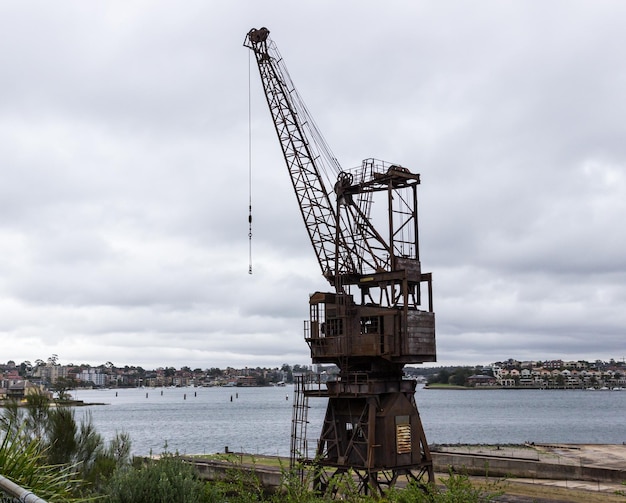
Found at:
<point>457,488</point>
<point>166,480</point>
<point>53,438</point>
<point>22,461</point>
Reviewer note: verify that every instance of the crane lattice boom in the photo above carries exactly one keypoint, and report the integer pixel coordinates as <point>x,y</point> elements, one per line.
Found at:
<point>340,222</point>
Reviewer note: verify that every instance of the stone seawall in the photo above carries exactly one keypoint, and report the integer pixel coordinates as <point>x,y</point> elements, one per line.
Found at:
<point>591,463</point>
<point>586,462</point>
<point>270,477</point>
<point>495,466</point>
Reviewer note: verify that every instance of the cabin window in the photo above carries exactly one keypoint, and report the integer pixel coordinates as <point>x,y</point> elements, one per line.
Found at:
<point>371,325</point>
<point>317,315</point>
<point>333,327</point>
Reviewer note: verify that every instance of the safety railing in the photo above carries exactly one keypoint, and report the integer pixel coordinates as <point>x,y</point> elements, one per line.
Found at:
<point>10,492</point>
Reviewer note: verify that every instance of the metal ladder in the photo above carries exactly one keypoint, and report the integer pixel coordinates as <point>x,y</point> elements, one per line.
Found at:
<point>299,422</point>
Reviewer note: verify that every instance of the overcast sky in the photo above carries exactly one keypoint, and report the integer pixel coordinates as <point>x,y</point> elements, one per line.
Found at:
<point>124,159</point>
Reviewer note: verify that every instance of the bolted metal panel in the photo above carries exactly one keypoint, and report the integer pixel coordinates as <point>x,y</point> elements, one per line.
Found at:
<point>420,337</point>
<point>404,443</point>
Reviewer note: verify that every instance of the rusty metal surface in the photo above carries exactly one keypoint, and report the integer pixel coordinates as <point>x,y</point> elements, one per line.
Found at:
<point>363,227</point>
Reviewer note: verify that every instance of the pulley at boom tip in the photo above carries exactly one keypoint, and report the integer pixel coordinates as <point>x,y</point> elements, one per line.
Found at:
<point>255,36</point>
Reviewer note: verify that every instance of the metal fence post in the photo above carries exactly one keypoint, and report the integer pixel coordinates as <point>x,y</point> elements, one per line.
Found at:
<point>17,492</point>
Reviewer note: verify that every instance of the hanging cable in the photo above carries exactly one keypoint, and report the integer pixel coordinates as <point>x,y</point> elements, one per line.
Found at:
<point>249,166</point>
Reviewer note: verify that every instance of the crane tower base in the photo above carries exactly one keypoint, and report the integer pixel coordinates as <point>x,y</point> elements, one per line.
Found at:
<point>372,433</point>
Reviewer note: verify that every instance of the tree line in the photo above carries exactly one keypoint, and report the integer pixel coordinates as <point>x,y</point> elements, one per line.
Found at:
<point>453,375</point>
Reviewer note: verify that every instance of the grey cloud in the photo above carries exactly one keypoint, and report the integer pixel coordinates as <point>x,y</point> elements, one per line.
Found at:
<point>124,197</point>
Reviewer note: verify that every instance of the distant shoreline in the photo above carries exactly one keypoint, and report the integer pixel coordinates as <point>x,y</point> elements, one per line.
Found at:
<point>480,388</point>
<point>53,403</point>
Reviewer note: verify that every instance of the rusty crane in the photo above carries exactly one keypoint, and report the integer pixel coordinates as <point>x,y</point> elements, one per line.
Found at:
<point>378,315</point>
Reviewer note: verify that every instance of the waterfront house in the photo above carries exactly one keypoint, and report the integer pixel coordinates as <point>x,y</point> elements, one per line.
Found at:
<point>525,377</point>
<point>18,389</point>
<point>507,383</point>
<point>481,380</point>
<point>246,381</point>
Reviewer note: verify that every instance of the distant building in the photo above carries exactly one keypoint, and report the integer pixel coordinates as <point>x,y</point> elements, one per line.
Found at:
<point>481,380</point>
<point>50,373</point>
<point>93,376</point>
<point>18,389</point>
<point>246,381</point>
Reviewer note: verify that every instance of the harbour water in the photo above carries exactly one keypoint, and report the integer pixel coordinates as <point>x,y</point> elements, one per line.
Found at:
<point>258,420</point>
